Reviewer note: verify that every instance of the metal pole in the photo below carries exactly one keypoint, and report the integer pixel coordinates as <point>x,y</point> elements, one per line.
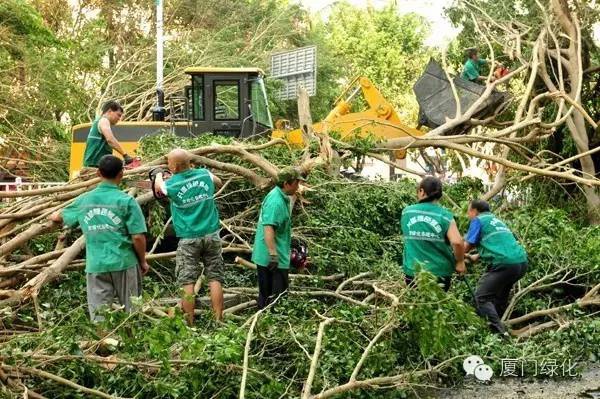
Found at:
<point>158,112</point>
<point>159,44</point>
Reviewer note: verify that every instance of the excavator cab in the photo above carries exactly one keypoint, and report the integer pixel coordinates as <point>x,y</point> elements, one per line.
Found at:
<point>226,101</point>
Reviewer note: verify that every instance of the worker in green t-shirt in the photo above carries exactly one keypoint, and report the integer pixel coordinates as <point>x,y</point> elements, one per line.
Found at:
<point>196,221</point>
<point>472,67</point>
<point>432,241</point>
<point>272,243</point>
<point>115,242</point>
<point>505,258</point>
<point>101,141</point>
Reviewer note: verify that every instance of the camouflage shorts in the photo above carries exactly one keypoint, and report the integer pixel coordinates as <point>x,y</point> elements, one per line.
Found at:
<point>192,253</point>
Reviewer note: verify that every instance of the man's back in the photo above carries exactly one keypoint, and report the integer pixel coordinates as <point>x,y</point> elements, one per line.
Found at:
<point>425,227</point>
<point>472,69</point>
<point>274,211</point>
<point>193,206</point>
<point>498,245</point>
<point>108,218</point>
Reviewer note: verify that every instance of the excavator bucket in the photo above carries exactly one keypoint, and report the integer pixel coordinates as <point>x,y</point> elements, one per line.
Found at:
<point>436,100</point>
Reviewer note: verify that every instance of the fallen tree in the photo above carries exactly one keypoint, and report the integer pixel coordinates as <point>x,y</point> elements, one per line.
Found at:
<point>348,326</point>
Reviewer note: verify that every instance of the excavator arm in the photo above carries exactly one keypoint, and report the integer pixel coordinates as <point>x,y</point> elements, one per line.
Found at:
<point>379,119</point>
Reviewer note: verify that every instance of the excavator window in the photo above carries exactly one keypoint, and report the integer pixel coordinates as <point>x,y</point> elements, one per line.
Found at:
<point>227,100</point>
<point>198,97</point>
<point>259,103</point>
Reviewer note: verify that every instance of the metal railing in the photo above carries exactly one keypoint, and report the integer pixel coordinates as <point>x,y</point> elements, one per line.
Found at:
<point>179,111</point>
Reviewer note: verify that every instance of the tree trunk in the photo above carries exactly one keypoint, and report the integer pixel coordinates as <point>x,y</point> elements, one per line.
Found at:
<point>578,131</point>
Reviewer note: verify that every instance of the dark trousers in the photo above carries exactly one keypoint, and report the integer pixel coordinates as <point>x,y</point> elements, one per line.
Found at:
<point>443,281</point>
<point>271,283</point>
<point>493,291</point>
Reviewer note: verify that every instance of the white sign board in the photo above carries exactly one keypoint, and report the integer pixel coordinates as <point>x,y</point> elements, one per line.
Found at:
<point>295,68</point>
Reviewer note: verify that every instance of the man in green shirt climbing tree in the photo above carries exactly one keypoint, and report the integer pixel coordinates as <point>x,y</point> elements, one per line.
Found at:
<point>272,243</point>
<point>197,225</point>
<point>101,141</point>
<point>115,242</point>
<point>472,67</point>
<point>504,257</point>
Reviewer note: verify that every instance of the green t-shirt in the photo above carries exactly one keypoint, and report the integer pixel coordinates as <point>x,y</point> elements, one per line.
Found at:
<point>496,244</point>
<point>275,211</point>
<point>96,145</point>
<point>108,218</point>
<point>424,227</point>
<point>193,207</point>
<point>472,69</point>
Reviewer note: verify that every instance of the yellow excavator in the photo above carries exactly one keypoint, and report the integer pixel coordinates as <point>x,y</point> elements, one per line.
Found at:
<point>233,102</point>
<point>379,119</point>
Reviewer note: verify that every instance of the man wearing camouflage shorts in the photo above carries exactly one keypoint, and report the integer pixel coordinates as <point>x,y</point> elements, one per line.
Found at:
<point>196,222</point>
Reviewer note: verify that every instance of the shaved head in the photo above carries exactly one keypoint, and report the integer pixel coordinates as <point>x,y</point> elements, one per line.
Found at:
<point>178,160</point>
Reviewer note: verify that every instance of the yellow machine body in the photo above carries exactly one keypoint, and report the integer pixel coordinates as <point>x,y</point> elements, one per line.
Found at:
<point>379,119</point>
<point>128,134</point>
<point>225,101</point>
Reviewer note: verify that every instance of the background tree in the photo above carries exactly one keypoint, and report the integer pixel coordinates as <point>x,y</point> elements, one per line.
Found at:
<point>567,61</point>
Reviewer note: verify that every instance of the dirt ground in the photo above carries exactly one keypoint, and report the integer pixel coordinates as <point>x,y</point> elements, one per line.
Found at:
<point>588,386</point>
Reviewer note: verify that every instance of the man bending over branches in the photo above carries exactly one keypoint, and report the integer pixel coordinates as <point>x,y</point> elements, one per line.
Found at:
<point>115,242</point>
<point>504,256</point>
<point>196,222</point>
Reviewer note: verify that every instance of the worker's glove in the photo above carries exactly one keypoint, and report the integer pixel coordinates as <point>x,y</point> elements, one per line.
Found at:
<point>471,258</point>
<point>273,263</point>
<point>127,159</point>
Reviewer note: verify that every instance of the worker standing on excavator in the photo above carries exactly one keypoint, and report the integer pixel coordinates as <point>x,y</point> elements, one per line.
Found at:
<point>101,141</point>
<point>432,241</point>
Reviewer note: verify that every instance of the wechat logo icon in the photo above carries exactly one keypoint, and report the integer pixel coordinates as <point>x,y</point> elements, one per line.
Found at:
<point>474,366</point>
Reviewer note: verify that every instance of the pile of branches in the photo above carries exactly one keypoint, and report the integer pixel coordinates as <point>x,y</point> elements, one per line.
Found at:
<point>349,324</point>
<point>24,220</point>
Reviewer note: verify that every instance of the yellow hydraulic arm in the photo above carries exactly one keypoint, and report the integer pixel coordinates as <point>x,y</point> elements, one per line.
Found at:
<point>379,119</point>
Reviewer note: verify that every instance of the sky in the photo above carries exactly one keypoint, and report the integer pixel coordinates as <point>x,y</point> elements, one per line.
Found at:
<point>432,10</point>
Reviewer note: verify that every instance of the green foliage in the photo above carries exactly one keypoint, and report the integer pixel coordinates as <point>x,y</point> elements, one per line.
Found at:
<point>157,217</point>
<point>529,15</point>
<point>338,240</point>
<point>383,45</point>
<point>351,227</point>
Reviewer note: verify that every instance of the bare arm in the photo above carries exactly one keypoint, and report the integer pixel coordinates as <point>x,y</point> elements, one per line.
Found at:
<point>160,187</point>
<point>139,245</point>
<point>56,217</point>
<point>270,239</point>
<point>106,131</point>
<point>458,247</point>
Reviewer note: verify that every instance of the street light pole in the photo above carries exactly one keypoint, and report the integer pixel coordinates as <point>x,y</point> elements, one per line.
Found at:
<point>158,112</point>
